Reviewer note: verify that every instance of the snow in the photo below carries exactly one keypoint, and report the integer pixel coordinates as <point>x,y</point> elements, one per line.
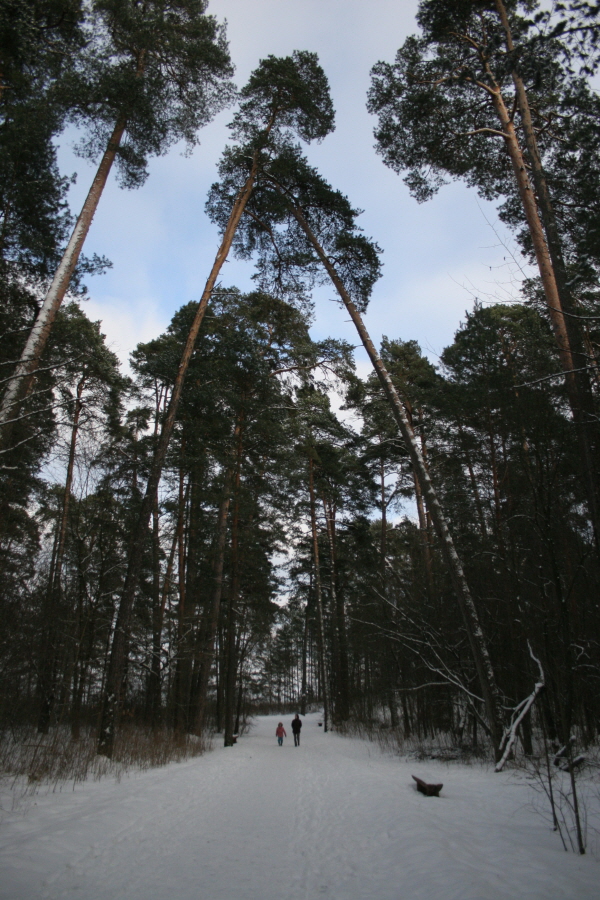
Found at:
<point>333,818</point>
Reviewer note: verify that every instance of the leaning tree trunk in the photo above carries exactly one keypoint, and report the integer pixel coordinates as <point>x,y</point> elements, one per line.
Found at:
<point>24,373</point>
<point>117,655</point>
<point>477,641</point>
<point>22,379</point>
<point>578,380</point>
<point>319,596</point>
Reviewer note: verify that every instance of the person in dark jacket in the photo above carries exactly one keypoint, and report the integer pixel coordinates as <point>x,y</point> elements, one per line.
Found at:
<point>296,726</point>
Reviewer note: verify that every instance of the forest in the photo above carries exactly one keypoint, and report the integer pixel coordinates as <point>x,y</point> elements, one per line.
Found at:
<point>239,522</point>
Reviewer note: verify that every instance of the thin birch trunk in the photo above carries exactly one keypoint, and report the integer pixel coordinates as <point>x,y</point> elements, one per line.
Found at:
<point>153,687</point>
<point>60,552</point>
<point>476,494</point>
<point>478,644</point>
<point>383,535</point>
<point>424,535</point>
<point>304,685</point>
<point>179,718</point>
<point>422,513</point>
<point>427,542</point>
<point>240,697</point>
<point>388,664</point>
<point>319,596</point>
<point>230,654</point>
<point>343,697</point>
<point>189,621</point>
<point>168,579</point>
<point>153,692</point>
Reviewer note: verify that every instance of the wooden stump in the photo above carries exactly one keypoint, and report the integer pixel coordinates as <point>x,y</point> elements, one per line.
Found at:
<point>430,790</point>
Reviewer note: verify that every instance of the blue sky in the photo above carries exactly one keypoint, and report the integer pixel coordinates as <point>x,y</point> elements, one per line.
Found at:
<point>437,256</point>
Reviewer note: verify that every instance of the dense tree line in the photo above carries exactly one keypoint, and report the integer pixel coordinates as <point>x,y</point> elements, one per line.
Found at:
<point>207,536</point>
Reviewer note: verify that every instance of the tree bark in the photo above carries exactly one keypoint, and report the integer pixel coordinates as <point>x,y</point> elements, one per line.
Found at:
<point>578,379</point>
<point>22,379</point>
<point>534,224</point>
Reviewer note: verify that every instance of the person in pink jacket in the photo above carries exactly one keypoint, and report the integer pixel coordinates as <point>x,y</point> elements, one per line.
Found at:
<point>280,733</point>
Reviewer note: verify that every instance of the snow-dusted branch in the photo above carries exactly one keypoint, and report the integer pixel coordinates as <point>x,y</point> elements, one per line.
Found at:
<point>519,712</point>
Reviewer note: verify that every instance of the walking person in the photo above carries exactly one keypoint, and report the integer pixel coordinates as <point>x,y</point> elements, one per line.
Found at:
<point>280,733</point>
<point>296,726</point>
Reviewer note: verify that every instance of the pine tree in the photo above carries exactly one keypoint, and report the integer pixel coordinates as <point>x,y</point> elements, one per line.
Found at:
<point>154,74</point>
<point>459,101</point>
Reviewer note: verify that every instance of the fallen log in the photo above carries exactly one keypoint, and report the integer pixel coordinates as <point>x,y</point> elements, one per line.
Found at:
<point>430,790</point>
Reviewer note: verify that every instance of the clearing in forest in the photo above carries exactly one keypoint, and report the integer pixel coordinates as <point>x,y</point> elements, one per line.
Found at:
<point>332,818</point>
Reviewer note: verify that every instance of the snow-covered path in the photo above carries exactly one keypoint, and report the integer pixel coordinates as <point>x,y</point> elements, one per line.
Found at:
<point>333,818</point>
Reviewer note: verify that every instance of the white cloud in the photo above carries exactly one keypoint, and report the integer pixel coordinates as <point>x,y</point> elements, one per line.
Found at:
<point>126,323</point>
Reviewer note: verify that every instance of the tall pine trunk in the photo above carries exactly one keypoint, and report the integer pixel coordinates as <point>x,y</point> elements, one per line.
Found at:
<point>22,379</point>
<point>577,375</point>
<point>567,335</point>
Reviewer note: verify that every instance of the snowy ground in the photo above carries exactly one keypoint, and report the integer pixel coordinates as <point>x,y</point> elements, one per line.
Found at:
<point>333,819</point>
